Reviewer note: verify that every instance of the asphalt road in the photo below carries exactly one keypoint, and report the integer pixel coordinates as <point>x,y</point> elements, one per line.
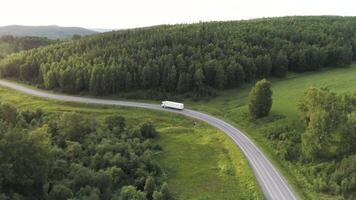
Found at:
<point>273,185</point>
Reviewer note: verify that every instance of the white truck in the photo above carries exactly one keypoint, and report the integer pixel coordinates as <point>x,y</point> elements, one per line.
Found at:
<point>171,104</point>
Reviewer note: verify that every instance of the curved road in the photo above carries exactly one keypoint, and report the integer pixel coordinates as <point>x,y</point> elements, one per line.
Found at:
<point>273,185</point>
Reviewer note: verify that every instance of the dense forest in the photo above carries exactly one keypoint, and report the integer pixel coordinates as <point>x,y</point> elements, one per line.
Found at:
<point>73,156</point>
<point>323,150</point>
<point>10,44</point>
<point>195,58</point>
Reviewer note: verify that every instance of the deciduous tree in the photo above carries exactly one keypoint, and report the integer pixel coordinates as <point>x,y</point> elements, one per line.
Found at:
<point>260,99</point>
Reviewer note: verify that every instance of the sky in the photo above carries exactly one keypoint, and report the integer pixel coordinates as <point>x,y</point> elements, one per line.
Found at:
<point>120,14</point>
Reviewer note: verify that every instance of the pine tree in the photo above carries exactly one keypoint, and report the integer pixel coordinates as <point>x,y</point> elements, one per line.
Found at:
<point>67,81</point>
<point>234,74</point>
<point>171,79</point>
<point>209,69</point>
<point>128,82</point>
<point>131,193</point>
<point>107,81</point>
<point>249,68</point>
<point>150,187</point>
<point>264,66</point>
<point>79,80</point>
<point>239,74</point>
<point>157,195</point>
<point>50,80</point>
<point>146,77</point>
<point>166,193</point>
<point>96,80</point>
<point>184,82</point>
<point>199,78</point>
<point>280,65</point>
<point>220,78</point>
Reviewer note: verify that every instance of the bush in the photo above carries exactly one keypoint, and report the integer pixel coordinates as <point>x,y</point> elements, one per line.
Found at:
<point>8,113</point>
<point>131,193</point>
<point>60,192</point>
<point>260,99</point>
<point>148,130</point>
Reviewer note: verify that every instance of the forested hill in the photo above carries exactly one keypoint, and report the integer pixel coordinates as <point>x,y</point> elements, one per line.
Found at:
<point>52,32</point>
<point>10,44</point>
<point>188,58</point>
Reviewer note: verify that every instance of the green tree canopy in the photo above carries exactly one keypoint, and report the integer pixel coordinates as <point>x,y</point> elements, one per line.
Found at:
<point>260,99</point>
<point>131,193</point>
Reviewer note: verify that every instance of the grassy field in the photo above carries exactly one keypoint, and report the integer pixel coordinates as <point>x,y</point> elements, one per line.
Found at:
<point>286,92</point>
<point>232,105</point>
<point>200,162</point>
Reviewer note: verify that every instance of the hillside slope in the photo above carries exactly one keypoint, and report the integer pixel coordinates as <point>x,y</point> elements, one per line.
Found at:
<point>51,32</point>
<point>194,58</point>
<point>11,44</point>
<point>279,134</point>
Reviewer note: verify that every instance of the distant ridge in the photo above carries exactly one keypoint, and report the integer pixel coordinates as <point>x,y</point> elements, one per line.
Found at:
<point>52,32</point>
<point>101,30</point>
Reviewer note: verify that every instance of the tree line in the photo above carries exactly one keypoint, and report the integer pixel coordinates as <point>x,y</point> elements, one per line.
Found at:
<point>329,140</point>
<point>11,44</point>
<point>195,58</point>
<point>323,149</point>
<point>73,156</point>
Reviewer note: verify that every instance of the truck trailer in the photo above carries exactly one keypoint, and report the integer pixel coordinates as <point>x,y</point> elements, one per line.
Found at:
<point>171,104</point>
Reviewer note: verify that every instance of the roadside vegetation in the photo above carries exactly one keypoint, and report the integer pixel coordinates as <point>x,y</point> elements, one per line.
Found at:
<point>194,59</point>
<point>309,133</point>
<point>196,160</point>
<point>72,156</point>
